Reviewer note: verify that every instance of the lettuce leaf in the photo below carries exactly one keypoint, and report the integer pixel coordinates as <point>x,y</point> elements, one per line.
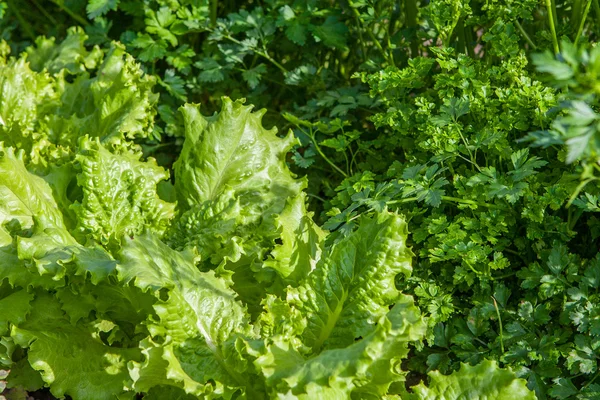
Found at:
<point>353,285</point>
<point>199,318</point>
<point>63,93</point>
<point>483,381</point>
<point>366,368</point>
<point>232,185</point>
<point>119,193</point>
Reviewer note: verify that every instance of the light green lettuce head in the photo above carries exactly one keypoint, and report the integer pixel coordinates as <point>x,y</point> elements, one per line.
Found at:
<point>108,290</point>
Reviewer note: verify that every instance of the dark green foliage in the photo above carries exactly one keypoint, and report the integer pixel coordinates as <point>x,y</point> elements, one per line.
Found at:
<point>478,120</point>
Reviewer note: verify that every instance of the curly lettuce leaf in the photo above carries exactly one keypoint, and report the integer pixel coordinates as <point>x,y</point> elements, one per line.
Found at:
<point>219,229</point>
<point>69,355</point>
<point>199,318</point>
<point>232,183</point>
<point>482,381</point>
<point>69,55</point>
<point>301,245</point>
<point>365,369</point>
<point>25,197</point>
<point>353,285</point>
<point>232,150</point>
<point>25,95</point>
<point>45,114</point>
<point>118,100</point>
<point>15,308</point>
<point>119,194</point>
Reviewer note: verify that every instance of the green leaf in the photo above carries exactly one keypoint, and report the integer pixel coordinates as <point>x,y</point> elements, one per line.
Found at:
<point>151,49</point>
<point>211,70</point>
<point>483,381</point>
<point>68,355</point>
<point>15,309</point>
<point>119,194</point>
<point>563,388</point>
<point>301,245</point>
<point>199,316</point>
<point>364,369</point>
<point>25,198</point>
<point>159,22</point>
<point>70,54</point>
<point>545,62</point>
<point>332,33</point>
<point>96,8</point>
<point>353,284</point>
<point>254,75</point>
<point>296,32</point>
<point>232,151</point>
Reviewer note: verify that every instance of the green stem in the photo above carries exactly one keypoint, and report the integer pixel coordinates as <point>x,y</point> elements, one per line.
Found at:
<point>316,197</point>
<point>500,322</point>
<point>591,380</point>
<point>387,57</point>
<point>275,63</point>
<point>401,201</point>
<point>552,27</point>
<point>516,253</point>
<point>460,34</point>
<point>411,11</point>
<point>579,188</point>
<point>597,10</point>
<point>471,267</point>
<point>361,40</point>
<point>260,53</point>
<point>469,42</point>
<point>575,12</point>
<point>43,11</point>
<point>338,169</point>
<point>73,15</point>
<point>312,138</point>
<point>26,26</point>
<point>448,198</point>
<point>470,202</point>
<point>554,14</point>
<point>213,12</point>
<point>495,278</point>
<point>525,35</point>
<point>583,19</point>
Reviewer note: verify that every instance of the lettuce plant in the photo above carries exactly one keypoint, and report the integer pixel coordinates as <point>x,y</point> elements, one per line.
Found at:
<point>114,282</point>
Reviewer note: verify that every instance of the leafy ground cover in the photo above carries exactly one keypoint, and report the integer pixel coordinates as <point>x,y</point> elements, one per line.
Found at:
<point>421,226</point>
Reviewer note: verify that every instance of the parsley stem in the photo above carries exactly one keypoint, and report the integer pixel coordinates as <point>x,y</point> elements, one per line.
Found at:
<point>312,138</point>
<point>591,380</point>
<point>338,169</point>
<point>213,12</point>
<point>525,35</point>
<point>597,10</point>
<point>43,11</point>
<point>73,15</point>
<point>579,188</point>
<point>471,202</point>
<point>582,23</point>
<point>400,201</point>
<point>472,268</point>
<point>448,198</point>
<point>316,197</point>
<point>275,63</point>
<point>495,278</point>
<point>500,322</point>
<point>375,40</point>
<point>26,26</point>
<point>552,27</point>
<point>411,11</point>
<point>263,54</point>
